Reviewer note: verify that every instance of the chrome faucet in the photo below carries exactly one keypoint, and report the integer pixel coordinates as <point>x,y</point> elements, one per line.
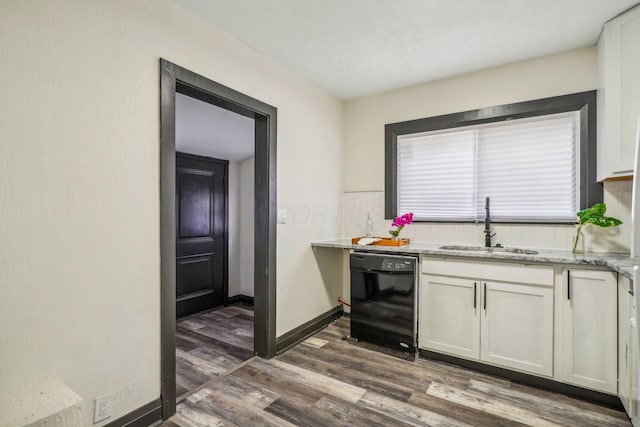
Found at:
<point>487,225</point>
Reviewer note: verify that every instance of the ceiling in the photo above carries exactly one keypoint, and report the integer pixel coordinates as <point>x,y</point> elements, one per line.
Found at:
<point>207,130</point>
<point>354,48</point>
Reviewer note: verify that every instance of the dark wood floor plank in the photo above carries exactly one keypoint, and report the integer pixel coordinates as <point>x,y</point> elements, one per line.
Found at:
<point>576,403</point>
<point>258,397</point>
<point>238,412</point>
<point>282,386</point>
<point>309,359</point>
<point>221,333</point>
<point>223,346</point>
<point>184,343</point>
<point>329,411</point>
<point>292,410</point>
<point>554,410</point>
<point>389,367</point>
<point>489,404</point>
<point>284,377</point>
<point>224,361</point>
<point>188,375</point>
<point>296,398</point>
<point>461,413</point>
<point>446,369</point>
<point>194,323</point>
<point>208,366</point>
<point>222,316</point>
<point>407,413</point>
<point>194,413</point>
<point>180,389</point>
<point>322,383</point>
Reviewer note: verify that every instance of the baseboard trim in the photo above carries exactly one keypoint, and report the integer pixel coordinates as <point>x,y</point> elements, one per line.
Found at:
<point>530,380</point>
<point>304,331</point>
<point>242,299</point>
<point>144,416</point>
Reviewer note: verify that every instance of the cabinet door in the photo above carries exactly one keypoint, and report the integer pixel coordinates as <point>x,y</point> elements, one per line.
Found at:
<point>630,86</point>
<point>618,95</point>
<point>517,327</point>
<point>589,330</point>
<point>628,361</point>
<point>634,354</point>
<point>624,317</point>
<point>449,321</point>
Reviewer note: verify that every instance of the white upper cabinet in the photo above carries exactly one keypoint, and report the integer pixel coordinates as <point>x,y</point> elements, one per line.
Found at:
<point>618,94</point>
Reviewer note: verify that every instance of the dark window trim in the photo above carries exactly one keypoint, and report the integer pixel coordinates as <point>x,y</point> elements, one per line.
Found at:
<point>584,102</point>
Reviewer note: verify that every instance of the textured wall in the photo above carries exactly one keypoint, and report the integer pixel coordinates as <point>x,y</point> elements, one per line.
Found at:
<point>79,187</point>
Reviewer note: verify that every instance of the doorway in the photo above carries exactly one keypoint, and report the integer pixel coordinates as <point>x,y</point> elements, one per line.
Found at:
<point>175,79</point>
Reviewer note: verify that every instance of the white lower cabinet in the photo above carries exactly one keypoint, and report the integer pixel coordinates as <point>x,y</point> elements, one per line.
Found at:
<point>449,316</point>
<point>492,316</point>
<point>517,327</point>
<point>589,329</point>
<point>528,317</point>
<point>627,348</point>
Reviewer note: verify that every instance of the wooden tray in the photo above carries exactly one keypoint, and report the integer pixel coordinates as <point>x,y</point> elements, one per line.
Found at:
<point>383,242</point>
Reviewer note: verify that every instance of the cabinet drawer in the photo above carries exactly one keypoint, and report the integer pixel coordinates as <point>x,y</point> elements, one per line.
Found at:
<point>499,271</point>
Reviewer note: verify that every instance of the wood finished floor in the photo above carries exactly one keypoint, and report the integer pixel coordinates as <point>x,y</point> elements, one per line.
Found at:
<point>210,344</point>
<point>326,381</point>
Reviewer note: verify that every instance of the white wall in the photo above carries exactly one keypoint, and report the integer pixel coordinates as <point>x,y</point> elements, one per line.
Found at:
<point>235,229</point>
<point>79,188</point>
<point>564,73</point>
<point>246,218</point>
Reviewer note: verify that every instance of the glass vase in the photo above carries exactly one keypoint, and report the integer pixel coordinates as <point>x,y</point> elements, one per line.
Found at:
<point>578,243</point>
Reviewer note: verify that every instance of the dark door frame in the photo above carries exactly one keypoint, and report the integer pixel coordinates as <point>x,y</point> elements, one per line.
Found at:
<point>174,78</point>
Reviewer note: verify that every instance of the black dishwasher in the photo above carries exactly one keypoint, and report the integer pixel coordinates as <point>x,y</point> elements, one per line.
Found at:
<point>383,300</point>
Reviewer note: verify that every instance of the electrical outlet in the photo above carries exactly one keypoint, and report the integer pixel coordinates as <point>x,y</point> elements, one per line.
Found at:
<point>104,408</point>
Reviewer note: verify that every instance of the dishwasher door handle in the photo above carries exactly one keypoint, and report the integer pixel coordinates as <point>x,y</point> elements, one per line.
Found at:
<point>374,270</point>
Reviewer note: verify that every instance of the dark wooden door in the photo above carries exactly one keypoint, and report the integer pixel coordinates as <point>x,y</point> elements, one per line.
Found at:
<point>201,229</point>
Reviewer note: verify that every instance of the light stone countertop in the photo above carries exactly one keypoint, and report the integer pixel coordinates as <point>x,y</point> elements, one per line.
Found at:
<point>619,262</point>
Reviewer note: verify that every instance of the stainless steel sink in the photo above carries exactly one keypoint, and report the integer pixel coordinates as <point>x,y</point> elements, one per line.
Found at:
<point>514,250</point>
<point>484,249</point>
<point>462,248</point>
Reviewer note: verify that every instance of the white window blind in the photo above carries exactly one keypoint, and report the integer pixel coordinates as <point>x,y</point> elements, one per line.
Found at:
<point>528,167</point>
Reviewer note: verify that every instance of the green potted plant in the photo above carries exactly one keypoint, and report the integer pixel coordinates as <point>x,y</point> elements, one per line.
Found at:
<point>593,215</point>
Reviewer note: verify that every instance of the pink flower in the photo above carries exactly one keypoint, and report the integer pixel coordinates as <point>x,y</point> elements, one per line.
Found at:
<point>403,220</point>
<point>400,223</point>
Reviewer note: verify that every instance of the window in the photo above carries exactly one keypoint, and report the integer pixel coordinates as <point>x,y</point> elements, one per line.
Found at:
<point>535,160</point>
